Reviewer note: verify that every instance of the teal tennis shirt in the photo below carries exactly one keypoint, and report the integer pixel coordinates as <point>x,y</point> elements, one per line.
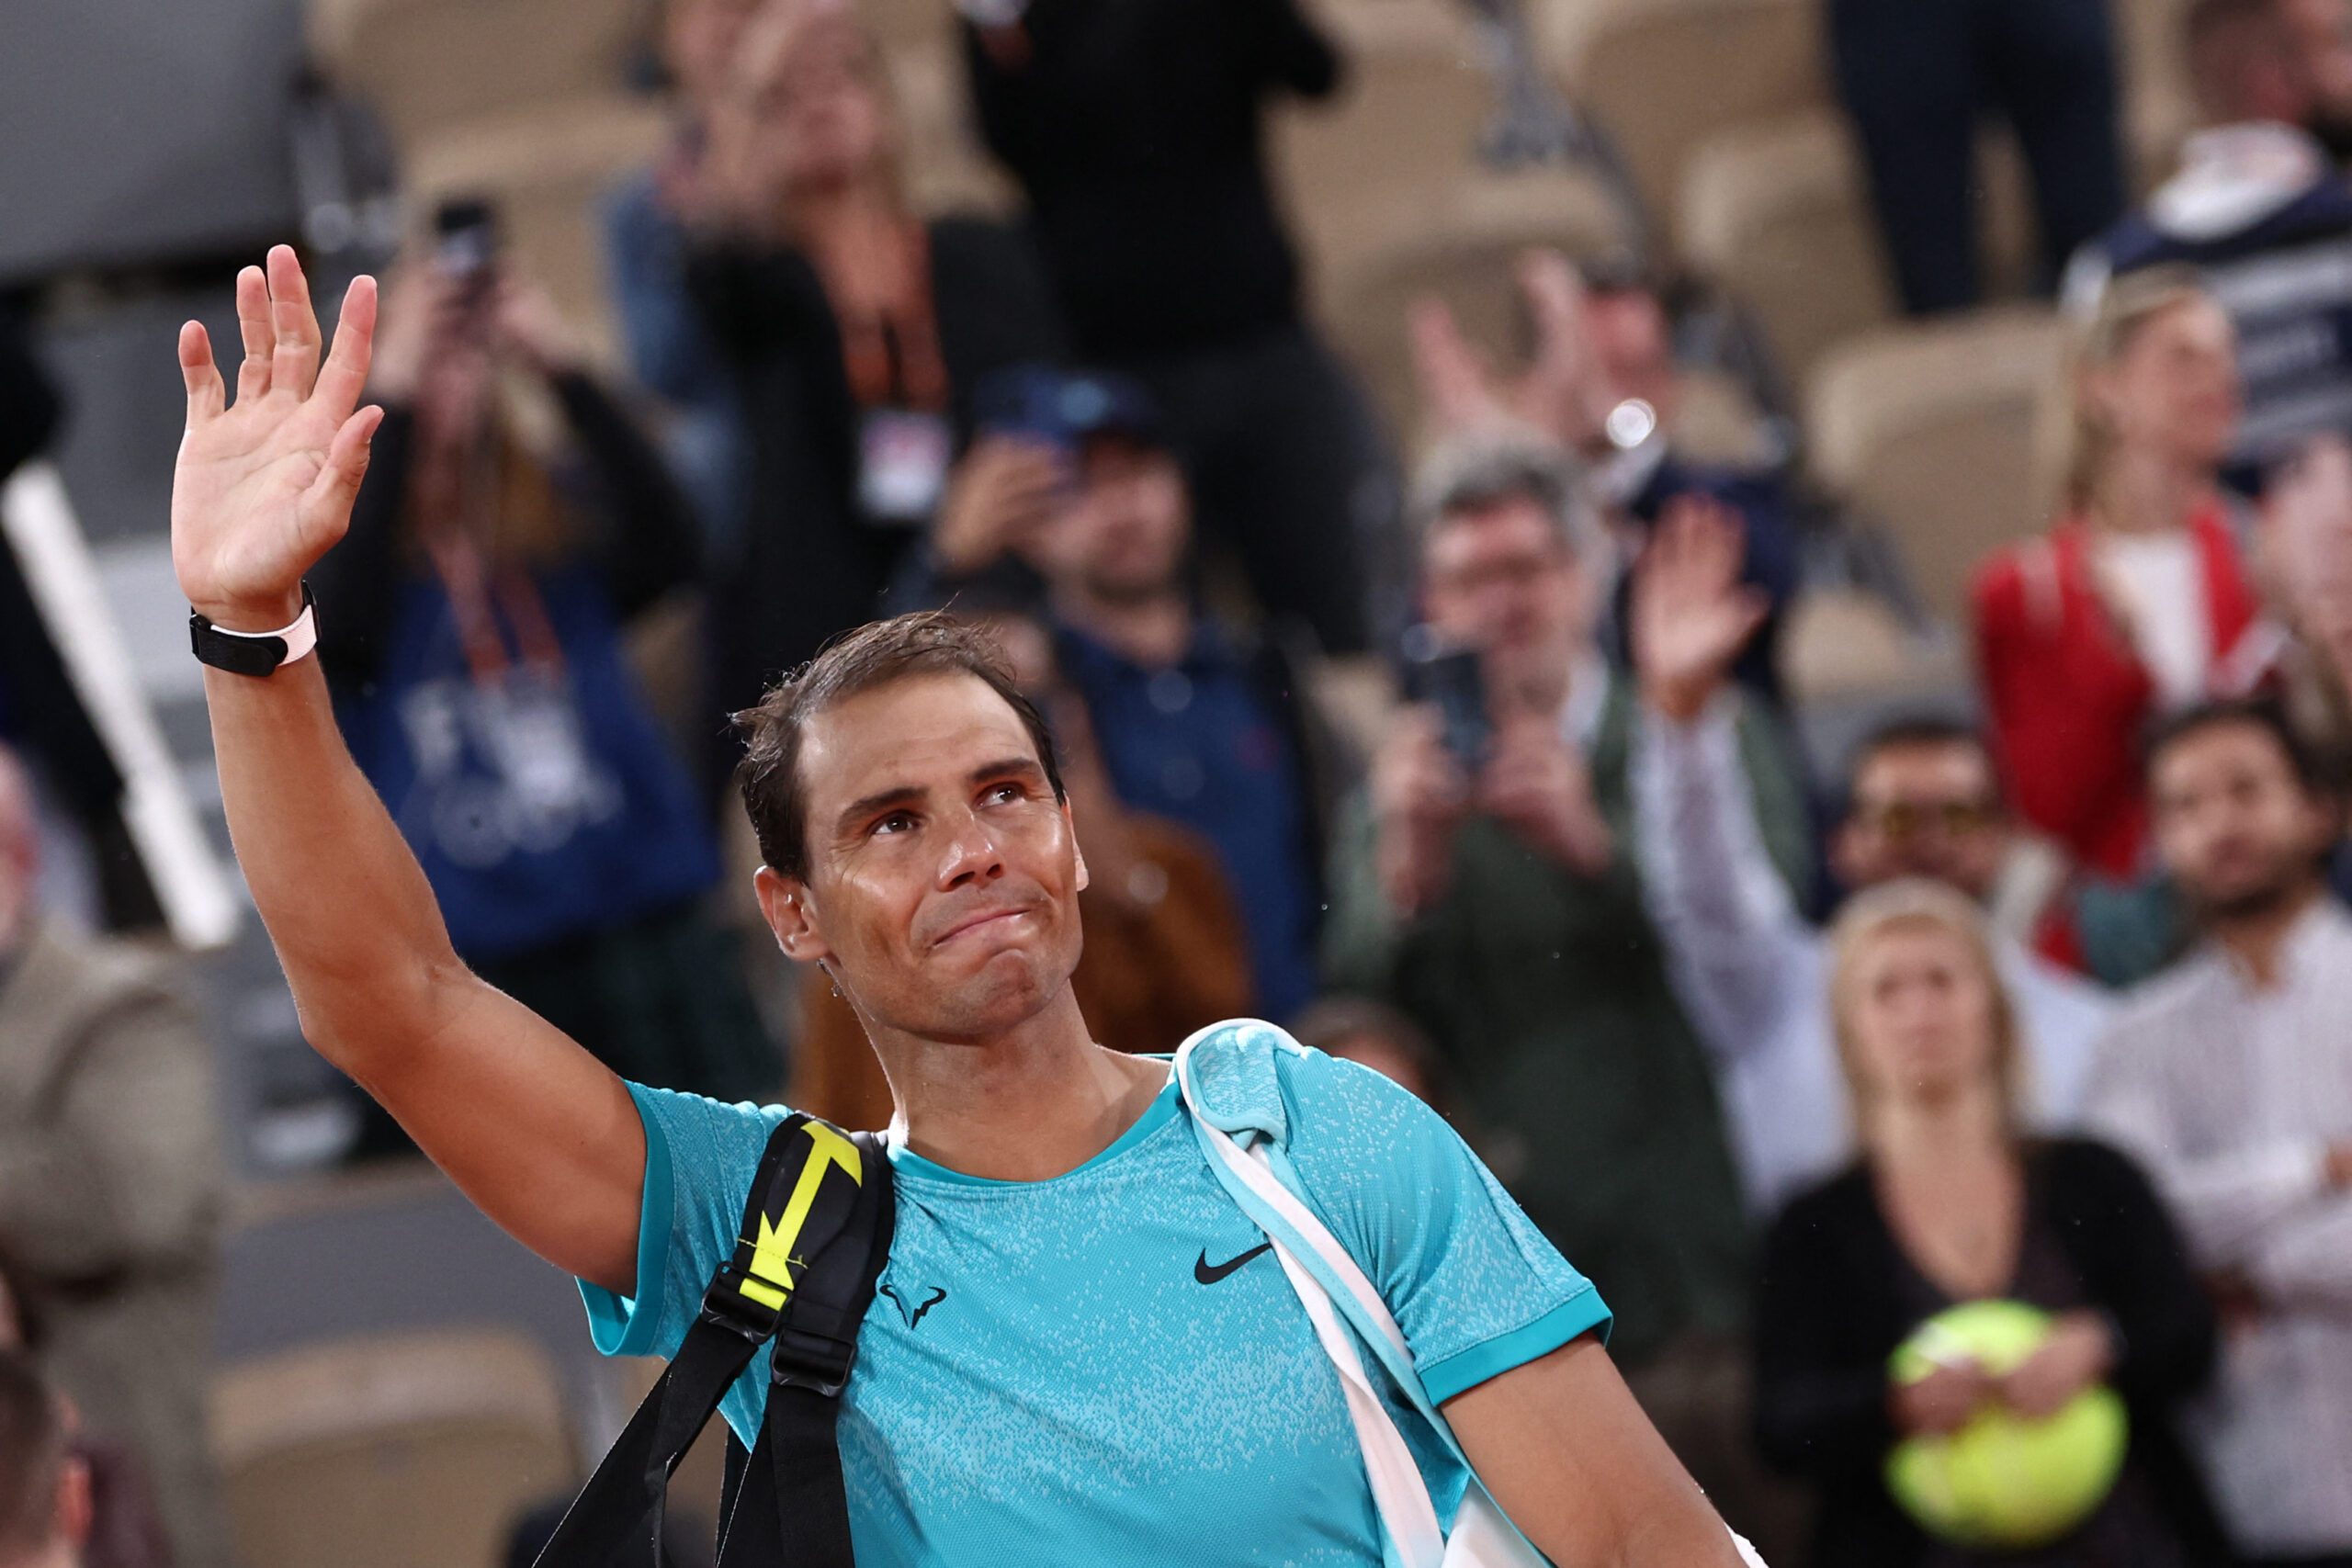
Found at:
<point>1109,1367</point>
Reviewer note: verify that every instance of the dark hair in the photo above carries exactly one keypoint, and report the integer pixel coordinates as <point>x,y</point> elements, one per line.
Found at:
<point>903,648</point>
<point>2261,713</point>
<point>34,1444</point>
<point>1910,729</point>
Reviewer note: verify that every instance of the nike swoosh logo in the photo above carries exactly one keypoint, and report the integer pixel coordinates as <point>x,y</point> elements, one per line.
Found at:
<point>1209,1273</point>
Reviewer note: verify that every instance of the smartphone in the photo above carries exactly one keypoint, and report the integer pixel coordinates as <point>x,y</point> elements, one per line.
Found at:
<point>465,237</point>
<point>1452,681</point>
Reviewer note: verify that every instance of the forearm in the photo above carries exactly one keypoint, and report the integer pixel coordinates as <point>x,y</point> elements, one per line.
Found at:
<point>348,909</point>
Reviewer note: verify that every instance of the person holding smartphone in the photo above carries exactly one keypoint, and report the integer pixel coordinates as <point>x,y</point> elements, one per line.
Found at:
<point>514,520</point>
<point>1487,887</point>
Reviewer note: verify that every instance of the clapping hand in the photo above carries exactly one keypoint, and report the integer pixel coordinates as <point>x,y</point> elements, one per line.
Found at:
<point>1563,394</point>
<point>1537,785</point>
<point>264,488</point>
<point>1941,1402</point>
<point>1691,615</point>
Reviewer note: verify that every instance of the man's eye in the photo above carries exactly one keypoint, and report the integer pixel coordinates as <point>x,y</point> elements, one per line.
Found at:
<point>897,822</point>
<point>1006,792</point>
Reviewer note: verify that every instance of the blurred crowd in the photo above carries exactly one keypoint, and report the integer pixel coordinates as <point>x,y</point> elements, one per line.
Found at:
<point>1466,746</point>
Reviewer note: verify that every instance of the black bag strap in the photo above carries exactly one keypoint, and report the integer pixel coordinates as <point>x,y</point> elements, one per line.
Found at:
<point>815,1236</point>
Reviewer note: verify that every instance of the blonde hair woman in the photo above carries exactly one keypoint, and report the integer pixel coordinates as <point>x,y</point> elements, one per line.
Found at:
<point>1948,1201</point>
<point>2136,602</point>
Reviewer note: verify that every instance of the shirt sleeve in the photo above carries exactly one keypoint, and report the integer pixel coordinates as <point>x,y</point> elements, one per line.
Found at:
<point>700,1157</point>
<point>1473,1283</point>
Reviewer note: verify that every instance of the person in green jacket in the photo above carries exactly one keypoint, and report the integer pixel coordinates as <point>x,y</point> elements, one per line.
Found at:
<point>1494,898</point>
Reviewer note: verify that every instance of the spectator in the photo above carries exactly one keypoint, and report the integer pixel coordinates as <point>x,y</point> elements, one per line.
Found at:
<point>1951,1203</point>
<point>44,1486</point>
<point>1922,802</point>
<point>2306,539</point>
<point>1495,899</point>
<point>1917,78</point>
<point>2231,1078</point>
<point>2322,30</point>
<point>125,1529</point>
<point>476,653</point>
<point>2260,211</point>
<point>858,335</point>
<point>1196,722</point>
<point>1165,953</point>
<point>1603,383</point>
<point>1136,131</point>
<point>647,234</point>
<point>112,1189</point>
<point>2136,604</point>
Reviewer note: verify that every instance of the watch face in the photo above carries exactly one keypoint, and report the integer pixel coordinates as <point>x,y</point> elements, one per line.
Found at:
<point>1630,423</point>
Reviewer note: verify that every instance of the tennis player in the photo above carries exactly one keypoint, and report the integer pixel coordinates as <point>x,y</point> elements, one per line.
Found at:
<point>1081,1351</point>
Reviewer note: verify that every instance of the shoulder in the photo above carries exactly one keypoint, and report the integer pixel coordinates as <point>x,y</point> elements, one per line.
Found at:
<point>1825,1206</point>
<point>974,241</point>
<point>2085,1164</point>
<point>84,976</point>
<point>2147,1016</point>
<point>1339,1115</point>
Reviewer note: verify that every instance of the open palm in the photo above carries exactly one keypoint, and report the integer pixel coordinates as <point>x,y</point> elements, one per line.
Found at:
<point>1691,615</point>
<point>264,488</point>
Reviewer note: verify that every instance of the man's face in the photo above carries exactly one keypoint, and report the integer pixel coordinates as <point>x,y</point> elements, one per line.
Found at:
<point>1122,535</point>
<point>1503,581</point>
<point>943,874</point>
<point>1633,342</point>
<point>2307,548</point>
<point>1925,809</point>
<point>699,42</point>
<point>2322,30</point>
<point>2233,825</point>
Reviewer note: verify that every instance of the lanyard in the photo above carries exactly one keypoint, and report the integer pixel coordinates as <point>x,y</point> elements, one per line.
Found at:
<point>890,351</point>
<point>476,595</point>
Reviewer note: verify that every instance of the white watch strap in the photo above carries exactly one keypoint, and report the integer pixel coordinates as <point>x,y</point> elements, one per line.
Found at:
<point>302,638</point>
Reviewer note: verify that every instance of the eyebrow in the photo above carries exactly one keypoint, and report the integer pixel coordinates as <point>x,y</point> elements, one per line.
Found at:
<point>909,794</point>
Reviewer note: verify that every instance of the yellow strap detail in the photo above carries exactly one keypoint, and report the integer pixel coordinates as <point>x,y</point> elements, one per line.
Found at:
<point>770,1280</point>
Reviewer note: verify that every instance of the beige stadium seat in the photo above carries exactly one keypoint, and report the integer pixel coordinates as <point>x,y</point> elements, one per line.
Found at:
<point>1464,249</point>
<point>1843,645</point>
<point>1665,75</point>
<point>1402,135</point>
<point>425,65</point>
<point>548,171</point>
<point>397,1450</point>
<point>1778,213</point>
<point>947,169</point>
<point>1934,430</point>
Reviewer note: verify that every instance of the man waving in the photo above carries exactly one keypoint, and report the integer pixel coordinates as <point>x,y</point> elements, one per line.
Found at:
<point>1072,1358</point>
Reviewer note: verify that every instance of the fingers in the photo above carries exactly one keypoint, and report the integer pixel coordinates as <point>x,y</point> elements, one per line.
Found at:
<point>206,395</point>
<point>325,511</point>
<point>253,326</point>
<point>294,359</point>
<point>344,375</point>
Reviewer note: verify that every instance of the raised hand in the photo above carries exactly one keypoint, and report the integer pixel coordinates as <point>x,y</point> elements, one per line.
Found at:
<point>1562,394</point>
<point>263,489</point>
<point>1691,615</point>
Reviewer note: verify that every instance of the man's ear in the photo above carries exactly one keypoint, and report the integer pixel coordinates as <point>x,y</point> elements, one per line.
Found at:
<point>1074,847</point>
<point>791,916</point>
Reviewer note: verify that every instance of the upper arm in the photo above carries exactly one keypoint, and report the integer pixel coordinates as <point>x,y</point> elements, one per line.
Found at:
<point>1563,1448</point>
<point>542,1136</point>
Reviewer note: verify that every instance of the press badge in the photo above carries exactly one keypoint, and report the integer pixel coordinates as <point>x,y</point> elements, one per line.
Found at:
<point>904,469</point>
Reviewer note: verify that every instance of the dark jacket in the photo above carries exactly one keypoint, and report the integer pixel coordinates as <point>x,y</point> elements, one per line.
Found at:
<point>1831,1309</point>
<point>1135,130</point>
<point>811,564</point>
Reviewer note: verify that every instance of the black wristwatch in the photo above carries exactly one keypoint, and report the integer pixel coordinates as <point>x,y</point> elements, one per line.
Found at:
<point>255,654</point>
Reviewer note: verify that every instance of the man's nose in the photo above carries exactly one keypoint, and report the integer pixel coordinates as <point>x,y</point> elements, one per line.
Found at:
<point>971,853</point>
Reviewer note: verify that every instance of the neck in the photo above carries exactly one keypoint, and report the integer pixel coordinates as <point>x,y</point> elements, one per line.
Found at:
<point>1938,1131</point>
<point>1151,629</point>
<point>850,205</point>
<point>2147,493</point>
<point>1032,1104</point>
<point>2257,938</point>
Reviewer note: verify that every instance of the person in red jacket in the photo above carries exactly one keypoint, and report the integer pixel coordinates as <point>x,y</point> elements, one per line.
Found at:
<point>2137,602</point>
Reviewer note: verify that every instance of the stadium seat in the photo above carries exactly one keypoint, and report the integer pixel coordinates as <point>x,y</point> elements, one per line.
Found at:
<point>1665,75</point>
<point>1845,645</point>
<point>426,66</point>
<point>390,1451</point>
<point>2158,106</point>
<point>1777,213</point>
<point>1933,430</point>
<point>947,169</point>
<point>1463,248</point>
<point>546,171</point>
<point>1403,132</point>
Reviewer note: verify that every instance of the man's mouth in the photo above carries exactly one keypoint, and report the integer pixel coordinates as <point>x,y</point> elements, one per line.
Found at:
<point>977,922</point>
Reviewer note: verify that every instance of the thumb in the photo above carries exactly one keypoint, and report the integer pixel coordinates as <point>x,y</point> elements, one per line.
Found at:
<point>325,511</point>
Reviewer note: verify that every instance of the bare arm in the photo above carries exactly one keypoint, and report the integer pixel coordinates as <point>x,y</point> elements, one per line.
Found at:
<point>1581,1471</point>
<point>534,1130</point>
